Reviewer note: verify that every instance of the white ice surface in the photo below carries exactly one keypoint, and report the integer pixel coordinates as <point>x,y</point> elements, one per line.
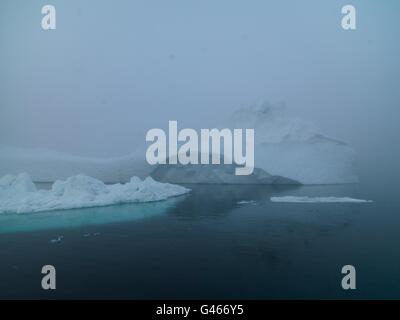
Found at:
<point>18,194</point>
<point>317,199</point>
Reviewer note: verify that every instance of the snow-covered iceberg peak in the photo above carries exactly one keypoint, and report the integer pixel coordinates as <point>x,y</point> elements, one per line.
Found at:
<point>294,148</point>
<point>18,194</point>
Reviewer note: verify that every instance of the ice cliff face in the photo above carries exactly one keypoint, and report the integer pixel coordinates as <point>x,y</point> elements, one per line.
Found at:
<point>293,148</point>
<point>18,194</point>
<point>286,151</point>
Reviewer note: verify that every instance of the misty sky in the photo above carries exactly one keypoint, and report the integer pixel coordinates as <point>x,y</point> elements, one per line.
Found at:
<point>114,69</point>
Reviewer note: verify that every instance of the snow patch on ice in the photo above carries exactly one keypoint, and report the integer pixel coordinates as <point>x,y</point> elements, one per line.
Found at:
<point>317,199</point>
<point>18,194</point>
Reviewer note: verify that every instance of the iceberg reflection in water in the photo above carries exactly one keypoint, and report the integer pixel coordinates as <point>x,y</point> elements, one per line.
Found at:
<point>66,219</point>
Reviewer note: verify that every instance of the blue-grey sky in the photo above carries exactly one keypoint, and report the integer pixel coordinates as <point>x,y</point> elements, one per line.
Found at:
<point>114,69</point>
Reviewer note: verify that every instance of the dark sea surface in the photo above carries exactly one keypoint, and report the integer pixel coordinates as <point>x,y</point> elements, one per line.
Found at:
<point>206,245</point>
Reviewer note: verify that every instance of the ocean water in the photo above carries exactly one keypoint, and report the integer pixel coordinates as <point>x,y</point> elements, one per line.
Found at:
<point>219,241</point>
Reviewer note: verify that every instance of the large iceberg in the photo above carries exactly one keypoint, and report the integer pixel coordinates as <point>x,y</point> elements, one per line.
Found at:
<point>287,151</point>
<point>18,194</point>
<point>293,148</point>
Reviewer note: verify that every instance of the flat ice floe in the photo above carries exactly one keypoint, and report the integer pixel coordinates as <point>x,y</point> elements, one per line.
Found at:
<point>317,199</point>
<point>243,202</point>
<point>18,194</point>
